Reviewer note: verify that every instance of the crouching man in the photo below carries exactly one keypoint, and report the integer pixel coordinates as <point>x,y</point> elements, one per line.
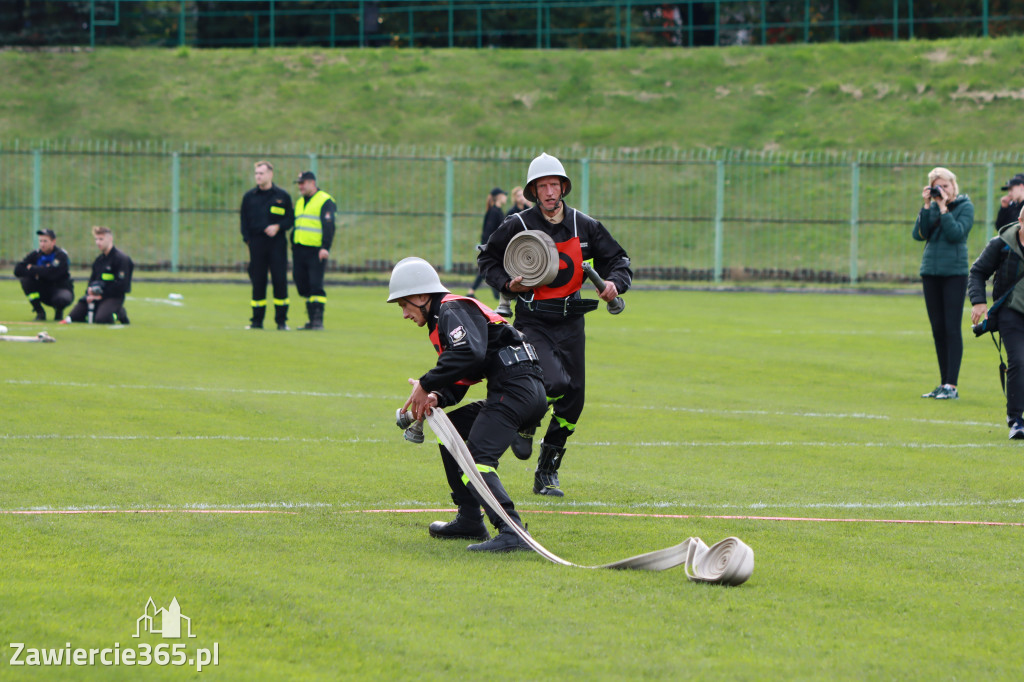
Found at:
<point>110,281</point>
<point>473,343</point>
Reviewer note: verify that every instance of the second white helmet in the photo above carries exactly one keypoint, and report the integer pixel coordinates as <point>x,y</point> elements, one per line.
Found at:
<point>541,167</point>
<point>412,276</point>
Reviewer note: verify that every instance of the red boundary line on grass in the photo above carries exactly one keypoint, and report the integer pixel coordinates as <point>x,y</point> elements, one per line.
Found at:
<point>147,511</point>
<point>702,516</point>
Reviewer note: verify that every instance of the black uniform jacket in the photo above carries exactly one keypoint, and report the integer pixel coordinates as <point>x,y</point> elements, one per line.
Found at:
<point>261,208</point>
<point>609,258</point>
<point>469,348</point>
<point>115,271</point>
<point>54,273</point>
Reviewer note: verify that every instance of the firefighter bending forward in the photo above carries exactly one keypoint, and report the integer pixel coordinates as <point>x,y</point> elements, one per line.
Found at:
<point>473,344</point>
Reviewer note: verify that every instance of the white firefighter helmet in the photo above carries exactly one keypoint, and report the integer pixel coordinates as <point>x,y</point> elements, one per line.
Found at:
<point>413,276</point>
<point>541,167</point>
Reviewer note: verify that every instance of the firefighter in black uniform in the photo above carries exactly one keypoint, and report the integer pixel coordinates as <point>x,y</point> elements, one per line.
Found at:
<point>311,245</point>
<point>266,215</point>
<point>473,343</point>
<point>44,277</point>
<point>109,283</point>
<point>551,316</point>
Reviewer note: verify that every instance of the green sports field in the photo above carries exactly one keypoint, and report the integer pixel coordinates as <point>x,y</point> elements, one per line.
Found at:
<point>258,479</point>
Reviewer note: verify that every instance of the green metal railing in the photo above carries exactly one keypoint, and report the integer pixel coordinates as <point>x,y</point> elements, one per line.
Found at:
<point>503,23</point>
<point>700,215</point>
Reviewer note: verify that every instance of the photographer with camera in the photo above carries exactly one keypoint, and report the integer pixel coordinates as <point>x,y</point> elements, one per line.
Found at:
<point>943,223</point>
<point>1011,202</point>
<point>110,281</point>
<point>1003,257</point>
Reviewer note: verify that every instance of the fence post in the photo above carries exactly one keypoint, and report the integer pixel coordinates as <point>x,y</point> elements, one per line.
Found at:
<point>585,186</point>
<point>719,216</point>
<point>313,163</point>
<point>854,218</point>
<point>449,207</point>
<point>990,195</point>
<point>984,17</point>
<point>175,208</point>
<point>181,25</point>
<point>273,38</point>
<point>37,188</point>
<point>629,23</point>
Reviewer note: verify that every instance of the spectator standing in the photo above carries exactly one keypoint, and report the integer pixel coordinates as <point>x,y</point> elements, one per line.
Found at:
<point>493,215</point>
<point>44,277</point>
<point>1011,202</point>
<point>1003,256</point>
<point>943,223</point>
<point>311,246</point>
<point>519,202</point>
<point>266,215</point>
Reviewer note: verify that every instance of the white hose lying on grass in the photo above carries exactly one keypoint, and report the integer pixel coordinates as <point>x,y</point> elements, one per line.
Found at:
<point>729,562</point>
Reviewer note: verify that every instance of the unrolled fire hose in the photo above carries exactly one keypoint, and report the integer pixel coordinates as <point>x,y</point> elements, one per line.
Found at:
<point>728,562</point>
<point>41,337</point>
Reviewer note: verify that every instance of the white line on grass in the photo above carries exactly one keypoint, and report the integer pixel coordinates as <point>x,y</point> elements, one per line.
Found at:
<point>257,439</point>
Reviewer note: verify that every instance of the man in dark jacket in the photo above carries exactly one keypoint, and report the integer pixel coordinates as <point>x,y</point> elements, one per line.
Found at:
<point>551,316</point>
<point>266,215</point>
<point>1011,202</point>
<point>109,283</point>
<point>44,277</point>
<point>473,343</point>
<point>1003,256</point>
<point>311,246</point>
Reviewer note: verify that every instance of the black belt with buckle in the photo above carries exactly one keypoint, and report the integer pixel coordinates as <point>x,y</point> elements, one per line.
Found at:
<point>513,355</point>
<point>563,307</point>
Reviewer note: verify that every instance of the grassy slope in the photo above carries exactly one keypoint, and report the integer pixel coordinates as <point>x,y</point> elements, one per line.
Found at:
<point>903,96</point>
<point>785,406</point>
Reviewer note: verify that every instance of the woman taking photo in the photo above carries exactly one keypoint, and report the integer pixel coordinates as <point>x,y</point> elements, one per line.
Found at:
<point>943,224</point>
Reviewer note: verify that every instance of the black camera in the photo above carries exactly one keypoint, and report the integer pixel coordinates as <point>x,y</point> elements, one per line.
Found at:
<point>936,192</point>
<point>986,325</point>
<point>96,288</point>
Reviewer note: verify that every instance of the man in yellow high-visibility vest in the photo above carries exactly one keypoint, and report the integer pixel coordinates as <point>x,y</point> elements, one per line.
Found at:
<point>311,245</point>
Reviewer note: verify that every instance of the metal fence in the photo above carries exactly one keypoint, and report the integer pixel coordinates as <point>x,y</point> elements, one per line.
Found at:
<point>496,23</point>
<point>699,215</point>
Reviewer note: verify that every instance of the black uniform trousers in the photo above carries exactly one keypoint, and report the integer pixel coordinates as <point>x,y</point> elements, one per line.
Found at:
<point>308,271</point>
<point>513,401</point>
<point>944,300</point>
<point>47,294</point>
<point>108,311</point>
<point>269,254</point>
<point>561,345</point>
<point>1011,330</point>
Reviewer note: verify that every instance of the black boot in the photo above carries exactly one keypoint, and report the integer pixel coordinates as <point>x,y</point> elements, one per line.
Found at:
<point>258,312</point>
<point>522,443</point>
<point>309,313</point>
<point>281,317</point>
<point>468,524</point>
<point>58,314</point>
<point>37,308</point>
<point>318,315</point>
<point>545,479</point>
<point>505,541</point>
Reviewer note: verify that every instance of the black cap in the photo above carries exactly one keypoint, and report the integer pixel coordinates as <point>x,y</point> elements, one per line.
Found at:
<point>306,175</point>
<point>47,233</point>
<point>496,191</point>
<point>1015,180</point>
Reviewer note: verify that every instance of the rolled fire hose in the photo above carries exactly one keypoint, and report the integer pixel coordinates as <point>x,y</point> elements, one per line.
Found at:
<point>533,255</point>
<point>728,562</point>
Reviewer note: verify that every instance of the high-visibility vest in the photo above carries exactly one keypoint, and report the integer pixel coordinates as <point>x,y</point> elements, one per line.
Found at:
<point>308,229</point>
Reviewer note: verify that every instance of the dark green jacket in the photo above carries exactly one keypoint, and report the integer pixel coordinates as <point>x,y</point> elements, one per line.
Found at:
<point>945,250</point>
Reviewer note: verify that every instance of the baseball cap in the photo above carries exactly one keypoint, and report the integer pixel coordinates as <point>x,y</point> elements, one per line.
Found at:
<point>306,175</point>
<point>496,191</point>
<point>47,233</point>
<point>1015,180</point>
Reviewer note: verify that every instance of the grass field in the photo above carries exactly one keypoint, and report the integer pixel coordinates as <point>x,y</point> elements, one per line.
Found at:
<point>709,414</point>
<point>946,95</point>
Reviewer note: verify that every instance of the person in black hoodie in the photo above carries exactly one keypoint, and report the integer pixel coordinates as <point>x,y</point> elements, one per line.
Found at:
<point>492,219</point>
<point>109,283</point>
<point>1003,257</point>
<point>44,277</point>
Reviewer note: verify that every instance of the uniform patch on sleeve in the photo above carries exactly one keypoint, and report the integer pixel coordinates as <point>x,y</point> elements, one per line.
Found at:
<point>458,334</point>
